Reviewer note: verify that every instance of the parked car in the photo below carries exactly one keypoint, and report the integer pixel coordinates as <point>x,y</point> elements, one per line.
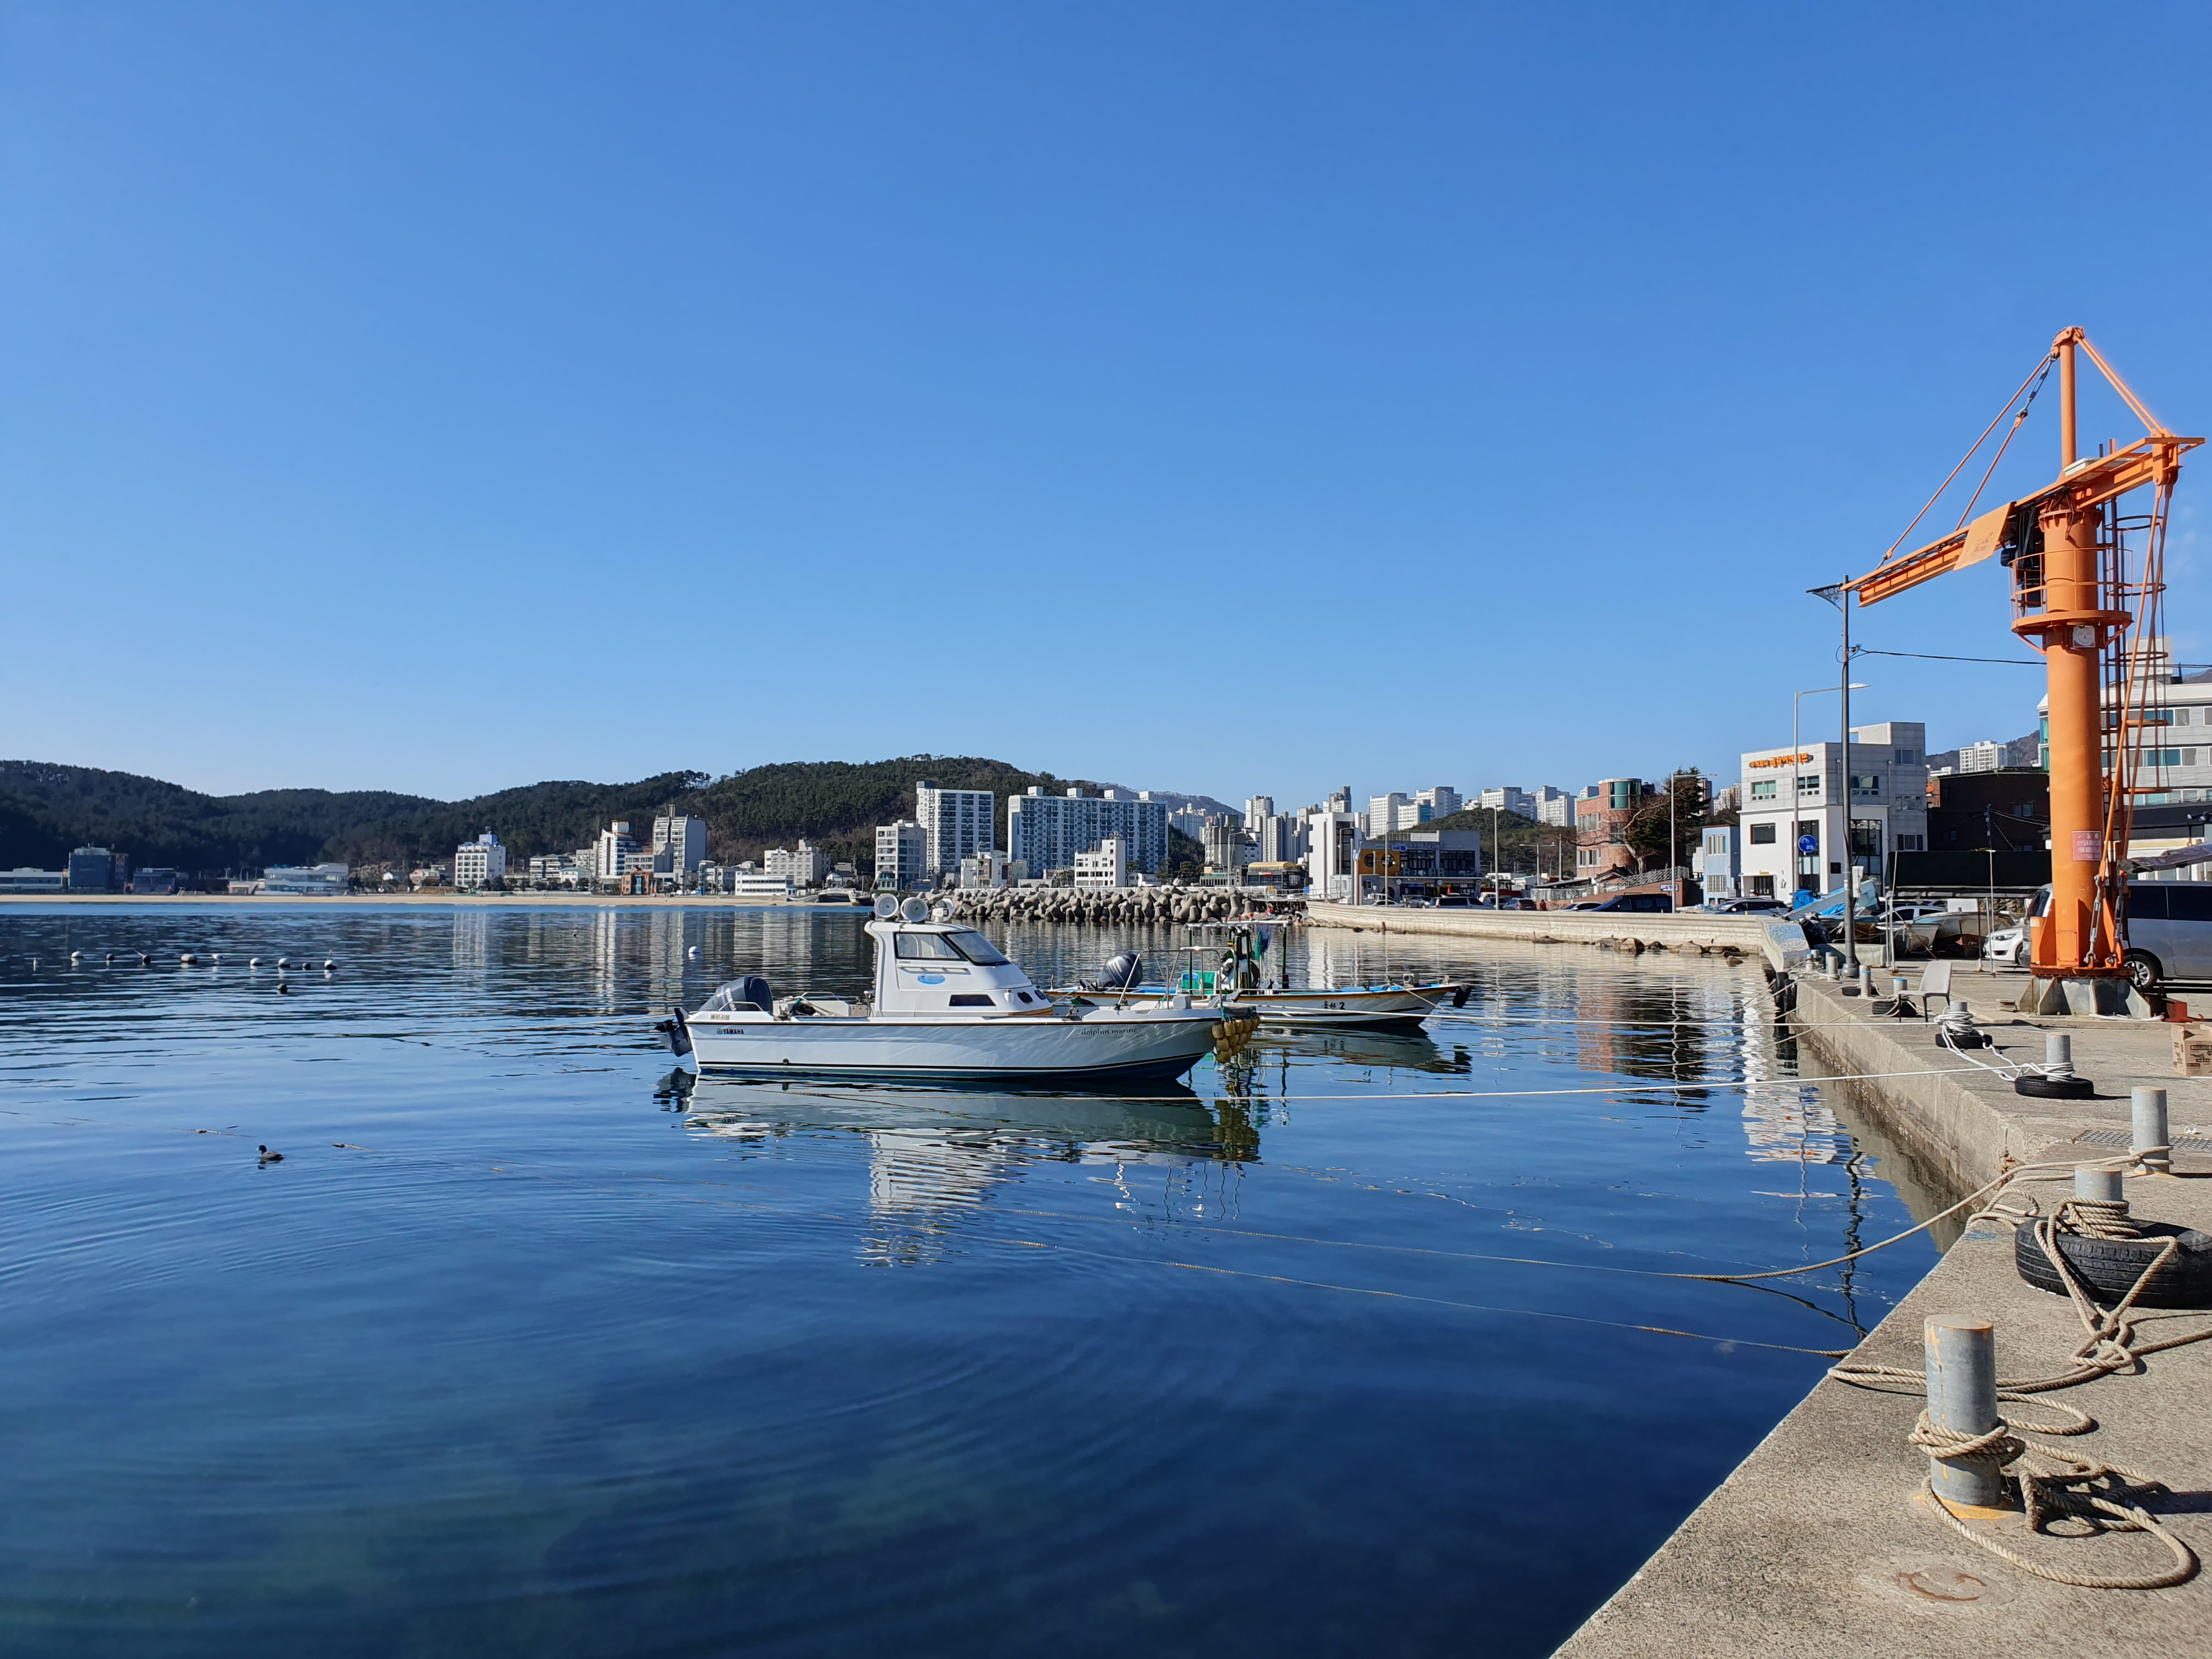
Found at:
<point>1630,902</point>
<point>2169,932</point>
<point>1750,907</point>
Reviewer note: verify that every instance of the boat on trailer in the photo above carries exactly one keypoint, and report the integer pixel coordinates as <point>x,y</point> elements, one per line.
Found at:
<point>946,1004</point>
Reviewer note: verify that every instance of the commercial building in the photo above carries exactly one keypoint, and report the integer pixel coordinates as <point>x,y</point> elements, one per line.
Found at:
<point>94,870</point>
<point>901,854</point>
<point>479,863</point>
<point>25,879</point>
<point>759,884</point>
<point>1107,867</point>
<point>1421,861</point>
<point>1046,832</point>
<point>1811,814</point>
<point>160,881</point>
<point>311,880</point>
<point>613,848</point>
<point>684,842</point>
<point>955,823</point>
<point>802,866</point>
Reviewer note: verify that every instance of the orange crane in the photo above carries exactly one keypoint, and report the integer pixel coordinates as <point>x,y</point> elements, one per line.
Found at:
<point>2077,599</point>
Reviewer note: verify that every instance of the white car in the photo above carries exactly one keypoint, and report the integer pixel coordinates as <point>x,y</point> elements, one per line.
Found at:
<point>2006,944</point>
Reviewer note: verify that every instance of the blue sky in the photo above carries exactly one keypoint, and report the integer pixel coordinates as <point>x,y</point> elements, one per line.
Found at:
<point>1228,398</point>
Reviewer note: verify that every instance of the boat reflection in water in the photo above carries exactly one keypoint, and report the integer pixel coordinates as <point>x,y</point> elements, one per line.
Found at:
<point>936,1153</point>
<point>1384,1048</point>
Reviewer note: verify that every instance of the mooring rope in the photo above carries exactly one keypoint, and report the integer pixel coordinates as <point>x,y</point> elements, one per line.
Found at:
<point>2052,1481</point>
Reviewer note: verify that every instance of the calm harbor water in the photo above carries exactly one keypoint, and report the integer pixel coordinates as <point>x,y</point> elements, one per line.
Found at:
<point>529,1346</point>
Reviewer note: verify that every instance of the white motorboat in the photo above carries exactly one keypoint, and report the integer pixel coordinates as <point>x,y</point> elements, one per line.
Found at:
<point>1241,981</point>
<point>946,1003</point>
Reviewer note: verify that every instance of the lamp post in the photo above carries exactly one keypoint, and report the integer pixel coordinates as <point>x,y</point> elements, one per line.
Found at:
<point>1796,704</point>
<point>1496,856</point>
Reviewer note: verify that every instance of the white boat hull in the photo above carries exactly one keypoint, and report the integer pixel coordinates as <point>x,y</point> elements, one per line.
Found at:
<point>1129,1043</point>
<point>1397,1004</point>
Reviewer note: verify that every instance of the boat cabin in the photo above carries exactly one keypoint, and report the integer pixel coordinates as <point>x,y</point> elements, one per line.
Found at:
<point>925,967</point>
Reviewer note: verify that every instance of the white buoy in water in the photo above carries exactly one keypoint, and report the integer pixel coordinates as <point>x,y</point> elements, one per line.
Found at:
<point>693,953</point>
<point>74,955</point>
<point>188,959</point>
<point>283,962</point>
<point>217,958</point>
<point>253,962</point>
<point>329,962</point>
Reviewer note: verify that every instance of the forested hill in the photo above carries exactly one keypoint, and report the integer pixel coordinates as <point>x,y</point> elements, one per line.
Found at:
<point>47,809</point>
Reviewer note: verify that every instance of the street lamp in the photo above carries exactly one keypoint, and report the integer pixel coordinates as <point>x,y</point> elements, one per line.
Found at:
<point>1796,704</point>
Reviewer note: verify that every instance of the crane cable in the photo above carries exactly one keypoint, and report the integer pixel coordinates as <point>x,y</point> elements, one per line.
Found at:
<point>2043,366</point>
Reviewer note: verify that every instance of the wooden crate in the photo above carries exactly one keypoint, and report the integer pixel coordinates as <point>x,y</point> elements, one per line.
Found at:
<point>2192,1050</point>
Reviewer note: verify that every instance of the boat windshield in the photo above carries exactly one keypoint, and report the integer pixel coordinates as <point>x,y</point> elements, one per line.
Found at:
<point>978,949</point>
<point>926,947</point>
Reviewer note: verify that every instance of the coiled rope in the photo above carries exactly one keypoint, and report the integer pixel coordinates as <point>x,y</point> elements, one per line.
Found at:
<point>2053,1482</point>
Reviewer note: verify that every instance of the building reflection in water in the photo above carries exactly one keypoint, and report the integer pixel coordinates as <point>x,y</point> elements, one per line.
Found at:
<point>472,939</point>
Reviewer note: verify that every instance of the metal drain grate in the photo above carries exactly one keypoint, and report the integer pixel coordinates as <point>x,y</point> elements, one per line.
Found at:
<point>2121,1138</point>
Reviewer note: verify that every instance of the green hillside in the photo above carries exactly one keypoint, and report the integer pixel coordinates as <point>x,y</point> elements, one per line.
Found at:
<point>47,809</point>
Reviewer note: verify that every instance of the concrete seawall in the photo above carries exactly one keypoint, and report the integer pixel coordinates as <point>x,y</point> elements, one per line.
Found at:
<point>1819,1543</point>
<point>1680,930</point>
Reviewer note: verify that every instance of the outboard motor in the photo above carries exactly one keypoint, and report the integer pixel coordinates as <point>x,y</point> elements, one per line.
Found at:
<point>1121,973</point>
<point>752,988</point>
<point>677,1033</point>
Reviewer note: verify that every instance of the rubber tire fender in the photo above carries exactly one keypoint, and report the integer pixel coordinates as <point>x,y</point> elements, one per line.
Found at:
<point>2108,1267</point>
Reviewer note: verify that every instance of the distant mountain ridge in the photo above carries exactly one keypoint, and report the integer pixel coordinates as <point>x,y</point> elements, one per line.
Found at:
<point>46,808</point>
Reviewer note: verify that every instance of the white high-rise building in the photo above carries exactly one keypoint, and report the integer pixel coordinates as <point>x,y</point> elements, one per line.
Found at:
<point>1046,832</point>
<point>1383,812</point>
<point>480,862</point>
<point>1981,757</point>
<point>954,823</point>
<point>1555,806</point>
<point>615,847</point>
<point>1509,798</point>
<point>1442,801</point>
<point>1332,852</point>
<point>901,853</point>
<point>684,841</point>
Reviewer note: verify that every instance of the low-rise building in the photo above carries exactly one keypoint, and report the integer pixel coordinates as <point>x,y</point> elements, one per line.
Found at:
<point>1421,861</point>
<point>156,881</point>
<point>23,879</point>
<point>759,884</point>
<point>480,862</point>
<point>555,870</point>
<point>1107,867</point>
<point>802,866</point>
<point>94,870</point>
<point>1812,814</point>
<point>320,880</point>
<point>1603,818</point>
<point>987,868</point>
<point>1719,869</point>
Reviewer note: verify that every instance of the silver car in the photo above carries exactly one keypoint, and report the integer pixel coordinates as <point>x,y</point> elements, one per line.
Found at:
<point>2169,931</point>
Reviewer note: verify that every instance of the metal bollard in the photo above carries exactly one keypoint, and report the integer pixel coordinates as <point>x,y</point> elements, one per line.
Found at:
<point>2058,1055</point>
<point>2103,1185</point>
<point>2148,1110</point>
<point>1962,1396</point>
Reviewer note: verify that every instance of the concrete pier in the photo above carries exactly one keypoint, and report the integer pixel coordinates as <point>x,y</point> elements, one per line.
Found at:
<point>1692,930</point>
<point>1819,1543</point>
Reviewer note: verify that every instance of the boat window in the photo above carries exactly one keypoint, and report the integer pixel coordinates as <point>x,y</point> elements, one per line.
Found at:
<point>926,947</point>
<point>978,949</point>
<point>971,1002</point>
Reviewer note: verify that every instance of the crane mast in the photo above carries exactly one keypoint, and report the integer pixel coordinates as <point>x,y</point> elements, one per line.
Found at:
<point>2077,601</point>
